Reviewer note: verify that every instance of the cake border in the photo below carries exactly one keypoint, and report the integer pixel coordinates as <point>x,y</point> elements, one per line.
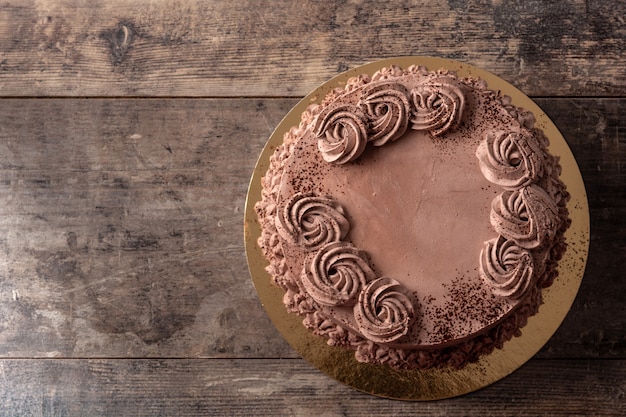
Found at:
<point>430,384</point>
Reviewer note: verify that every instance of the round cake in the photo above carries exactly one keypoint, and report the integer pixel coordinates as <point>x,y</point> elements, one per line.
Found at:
<point>414,217</point>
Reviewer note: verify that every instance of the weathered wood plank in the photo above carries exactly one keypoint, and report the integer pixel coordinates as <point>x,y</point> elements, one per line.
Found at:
<point>287,388</point>
<point>287,48</point>
<point>595,131</point>
<point>121,228</point>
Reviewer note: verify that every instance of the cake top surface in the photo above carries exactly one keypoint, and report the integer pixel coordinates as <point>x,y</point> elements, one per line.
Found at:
<point>418,207</point>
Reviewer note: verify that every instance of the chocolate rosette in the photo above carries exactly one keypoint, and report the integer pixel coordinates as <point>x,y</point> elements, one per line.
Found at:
<point>388,108</point>
<point>342,133</point>
<point>527,216</point>
<point>384,311</point>
<point>336,274</point>
<point>310,222</point>
<point>510,159</point>
<point>438,105</point>
<point>506,267</point>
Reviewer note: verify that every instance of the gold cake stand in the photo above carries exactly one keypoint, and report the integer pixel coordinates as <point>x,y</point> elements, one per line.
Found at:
<point>383,381</point>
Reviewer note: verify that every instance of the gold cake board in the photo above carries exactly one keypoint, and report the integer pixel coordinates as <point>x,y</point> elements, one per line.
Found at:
<point>381,380</point>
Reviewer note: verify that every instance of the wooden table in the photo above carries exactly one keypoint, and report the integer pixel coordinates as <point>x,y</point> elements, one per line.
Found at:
<point>128,134</point>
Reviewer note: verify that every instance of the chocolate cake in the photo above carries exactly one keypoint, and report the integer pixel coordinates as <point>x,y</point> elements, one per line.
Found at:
<point>414,217</point>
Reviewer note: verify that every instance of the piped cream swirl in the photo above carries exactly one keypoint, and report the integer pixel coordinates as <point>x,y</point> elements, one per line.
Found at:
<point>342,133</point>
<point>510,159</point>
<point>384,311</point>
<point>527,216</point>
<point>506,267</point>
<point>387,107</point>
<point>336,274</point>
<point>310,221</point>
<point>438,105</point>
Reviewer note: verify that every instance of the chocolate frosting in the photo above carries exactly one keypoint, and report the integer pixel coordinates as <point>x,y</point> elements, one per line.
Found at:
<point>506,267</point>
<point>439,105</point>
<point>382,113</point>
<point>384,311</point>
<point>387,108</point>
<point>310,221</point>
<point>413,217</point>
<point>510,160</point>
<point>342,132</point>
<point>336,274</point>
<point>528,216</point>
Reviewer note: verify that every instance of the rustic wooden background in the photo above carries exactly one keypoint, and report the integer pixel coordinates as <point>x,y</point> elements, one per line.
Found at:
<point>128,133</point>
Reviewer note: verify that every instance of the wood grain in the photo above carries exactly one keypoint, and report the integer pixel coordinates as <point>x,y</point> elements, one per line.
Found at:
<point>287,48</point>
<point>594,130</point>
<point>122,232</point>
<point>121,225</point>
<point>287,388</point>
